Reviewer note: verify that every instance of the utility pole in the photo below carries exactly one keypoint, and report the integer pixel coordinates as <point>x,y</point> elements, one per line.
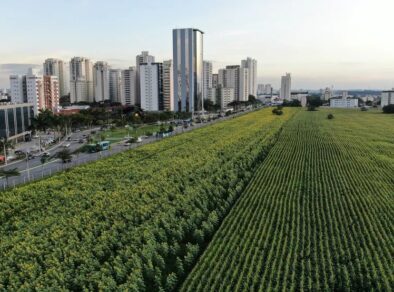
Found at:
<point>27,165</point>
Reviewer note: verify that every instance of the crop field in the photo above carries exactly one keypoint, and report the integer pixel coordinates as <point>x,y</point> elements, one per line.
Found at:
<point>136,221</point>
<point>317,215</point>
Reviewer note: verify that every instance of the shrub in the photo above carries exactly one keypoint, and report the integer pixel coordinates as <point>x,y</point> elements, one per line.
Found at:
<point>388,109</point>
<point>364,109</point>
<point>330,116</point>
<point>311,108</point>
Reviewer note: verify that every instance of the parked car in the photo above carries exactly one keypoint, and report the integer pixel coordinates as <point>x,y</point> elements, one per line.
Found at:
<point>67,145</point>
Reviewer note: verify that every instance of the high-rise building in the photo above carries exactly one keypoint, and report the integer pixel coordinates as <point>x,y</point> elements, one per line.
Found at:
<point>285,87</point>
<point>243,93</point>
<point>115,85</point>
<point>18,88</point>
<point>168,91</point>
<point>55,67</point>
<point>251,64</point>
<point>188,69</point>
<point>151,86</point>
<point>129,86</point>
<point>215,80</point>
<point>235,77</point>
<point>226,96</point>
<point>207,79</point>
<point>144,57</point>
<point>51,93</point>
<point>268,89</point>
<point>35,90</point>
<point>101,81</point>
<point>81,80</point>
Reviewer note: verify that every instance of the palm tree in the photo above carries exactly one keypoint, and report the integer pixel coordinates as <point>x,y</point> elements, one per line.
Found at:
<point>9,173</point>
<point>5,144</point>
<point>43,121</point>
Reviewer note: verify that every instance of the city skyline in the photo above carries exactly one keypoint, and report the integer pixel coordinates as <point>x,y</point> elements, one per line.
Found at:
<point>322,43</point>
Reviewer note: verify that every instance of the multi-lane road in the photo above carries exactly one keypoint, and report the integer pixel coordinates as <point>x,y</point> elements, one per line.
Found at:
<point>33,169</point>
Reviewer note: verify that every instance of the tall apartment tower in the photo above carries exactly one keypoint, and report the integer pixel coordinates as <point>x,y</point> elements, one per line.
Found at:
<point>35,90</point>
<point>168,89</point>
<point>101,81</point>
<point>207,79</point>
<point>188,69</point>
<point>243,90</point>
<point>251,65</point>
<point>285,87</point>
<point>51,93</point>
<point>151,86</point>
<point>144,57</point>
<point>55,67</point>
<point>18,88</point>
<point>129,86</point>
<point>115,85</point>
<point>81,80</point>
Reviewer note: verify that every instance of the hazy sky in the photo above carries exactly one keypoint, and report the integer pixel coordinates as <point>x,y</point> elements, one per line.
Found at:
<point>345,43</point>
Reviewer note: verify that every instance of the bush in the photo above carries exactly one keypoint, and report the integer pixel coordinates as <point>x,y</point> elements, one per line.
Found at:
<point>364,109</point>
<point>277,111</point>
<point>388,109</point>
<point>330,116</point>
<point>311,108</point>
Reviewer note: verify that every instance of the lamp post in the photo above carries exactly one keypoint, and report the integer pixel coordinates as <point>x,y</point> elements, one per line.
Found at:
<point>27,165</point>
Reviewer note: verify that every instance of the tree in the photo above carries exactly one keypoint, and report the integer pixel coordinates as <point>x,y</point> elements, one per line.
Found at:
<point>9,173</point>
<point>5,143</point>
<point>65,155</point>
<point>314,100</point>
<point>388,109</point>
<point>292,103</point>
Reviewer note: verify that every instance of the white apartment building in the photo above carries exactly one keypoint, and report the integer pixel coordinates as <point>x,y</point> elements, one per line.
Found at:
<point>387,97</point>
<point>144,57</point>
<point>227,95</point>
<point>285,88</point>
<point>51,93</point>
<point>168,89</point>
<point>129,86</point>
<point>151,87</point>
<point>251,64</point>
<point>207,79</point>
<point>56,67</point>
<point>18,88</point>
<point>81,80</point>
<point>344,103</point>
<point>35,91</point>
<point>115,85</point>
<point>101,81</point>
<point>243,94</point>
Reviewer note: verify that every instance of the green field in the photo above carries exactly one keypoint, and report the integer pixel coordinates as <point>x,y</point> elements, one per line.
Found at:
<point>260,202</point>
<point>317,215</point>
<point>136,221</point>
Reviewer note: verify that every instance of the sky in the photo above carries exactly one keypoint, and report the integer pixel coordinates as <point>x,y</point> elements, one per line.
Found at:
<point>347,44</point>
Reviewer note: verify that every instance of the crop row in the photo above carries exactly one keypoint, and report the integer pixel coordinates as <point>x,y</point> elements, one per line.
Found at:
<point>134,221</point>
<point>317,215</point>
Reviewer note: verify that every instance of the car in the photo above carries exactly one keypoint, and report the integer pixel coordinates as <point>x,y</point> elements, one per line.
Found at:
<point>66,145</point>
<point>80,141</point>
<point>19,152</point>
<point>46,154</point>
<point>68,138</point>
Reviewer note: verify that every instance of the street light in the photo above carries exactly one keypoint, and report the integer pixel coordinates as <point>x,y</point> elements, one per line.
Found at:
<point>27,165</point>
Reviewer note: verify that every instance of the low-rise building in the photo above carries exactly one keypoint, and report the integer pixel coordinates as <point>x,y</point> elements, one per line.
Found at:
<point>15,120</point>
<point>344,103</point>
